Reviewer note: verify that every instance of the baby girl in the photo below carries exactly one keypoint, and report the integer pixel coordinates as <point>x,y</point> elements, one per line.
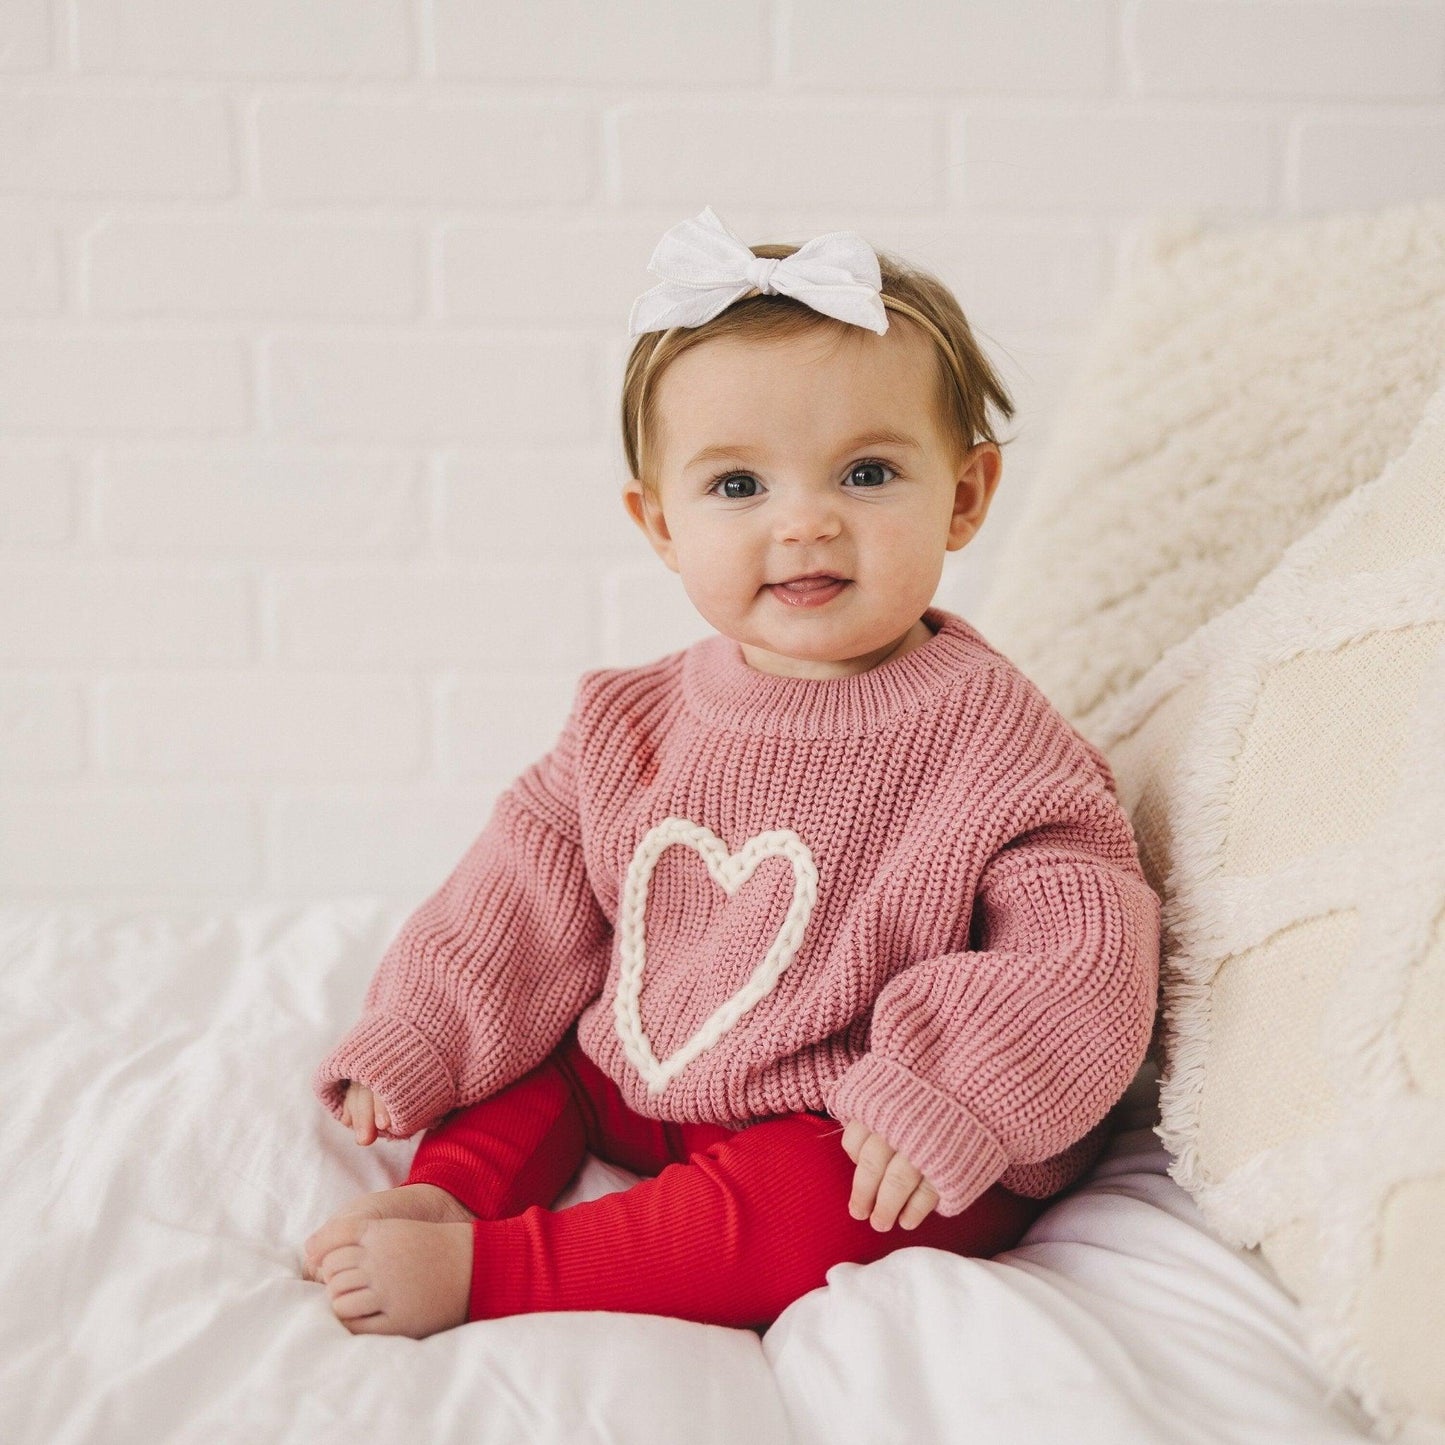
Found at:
<point>829,926</point>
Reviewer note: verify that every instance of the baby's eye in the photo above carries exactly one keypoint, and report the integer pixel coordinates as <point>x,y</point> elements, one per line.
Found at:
<point>871,467</point>
<point>728,477</point>
<point>869,470</point>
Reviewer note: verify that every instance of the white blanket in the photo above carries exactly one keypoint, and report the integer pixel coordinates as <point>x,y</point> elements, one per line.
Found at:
<point>164,1159</point>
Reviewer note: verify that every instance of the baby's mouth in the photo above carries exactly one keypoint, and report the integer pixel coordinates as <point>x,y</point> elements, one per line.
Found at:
<point>821,578</point>
<point>810,591</point>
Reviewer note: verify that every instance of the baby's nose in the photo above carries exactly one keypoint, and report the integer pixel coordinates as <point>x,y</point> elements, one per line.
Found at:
<point>806,522</point>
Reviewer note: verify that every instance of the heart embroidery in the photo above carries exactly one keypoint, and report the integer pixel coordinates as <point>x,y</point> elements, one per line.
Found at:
<point>731,871</point>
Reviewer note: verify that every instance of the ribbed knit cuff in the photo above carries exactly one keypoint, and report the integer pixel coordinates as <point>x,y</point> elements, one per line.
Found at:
<point>398,1064</point>
<point>934,1132</point>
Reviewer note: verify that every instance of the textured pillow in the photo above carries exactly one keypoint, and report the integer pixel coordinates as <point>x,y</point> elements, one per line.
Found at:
<point>1240,382</point>
<point>1284,769</point>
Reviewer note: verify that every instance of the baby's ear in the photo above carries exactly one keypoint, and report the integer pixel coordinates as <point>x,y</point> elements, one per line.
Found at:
<point>634,500</point>
<point>646,511</point>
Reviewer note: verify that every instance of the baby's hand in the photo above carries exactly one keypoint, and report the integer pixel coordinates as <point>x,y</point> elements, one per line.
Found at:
<point>903,1187</point>
<point>364,1112</point>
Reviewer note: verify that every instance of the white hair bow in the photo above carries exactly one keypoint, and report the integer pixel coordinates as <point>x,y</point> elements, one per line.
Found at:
<point>705,268</point>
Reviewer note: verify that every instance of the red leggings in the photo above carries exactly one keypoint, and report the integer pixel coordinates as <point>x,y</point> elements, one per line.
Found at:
<point>734,1227</point>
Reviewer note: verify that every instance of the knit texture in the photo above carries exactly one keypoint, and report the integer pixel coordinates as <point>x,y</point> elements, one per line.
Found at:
<point>908,897</point>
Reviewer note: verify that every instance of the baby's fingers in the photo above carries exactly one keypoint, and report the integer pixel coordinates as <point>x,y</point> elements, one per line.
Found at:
<point>364,1114</point>
<point>873,1161</point>
<point>900,1181</point>
<point>356,1112</point>
<point>920,1205</point>
<point>853,1136</point>
<point>364,1123</point>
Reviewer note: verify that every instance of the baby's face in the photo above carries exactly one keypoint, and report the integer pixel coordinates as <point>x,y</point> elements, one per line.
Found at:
<point>794,457</point>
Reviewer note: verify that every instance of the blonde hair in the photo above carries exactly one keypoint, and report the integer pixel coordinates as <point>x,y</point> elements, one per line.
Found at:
<point>966,381</point>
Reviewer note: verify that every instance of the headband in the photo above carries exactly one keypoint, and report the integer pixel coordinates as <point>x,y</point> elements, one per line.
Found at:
<point>705,268</point>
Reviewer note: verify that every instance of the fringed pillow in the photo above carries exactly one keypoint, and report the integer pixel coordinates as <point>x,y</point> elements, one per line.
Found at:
<point>1243,380</point>
<point>1284,769</point>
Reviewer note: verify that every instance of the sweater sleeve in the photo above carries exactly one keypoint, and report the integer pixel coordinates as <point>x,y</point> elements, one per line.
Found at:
<point>487,975</point>
<point>1009,1053</point>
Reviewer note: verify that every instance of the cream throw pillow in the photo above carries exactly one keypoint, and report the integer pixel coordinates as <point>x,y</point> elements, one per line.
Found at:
<point>1284,768</point>
<point>1241,381</point>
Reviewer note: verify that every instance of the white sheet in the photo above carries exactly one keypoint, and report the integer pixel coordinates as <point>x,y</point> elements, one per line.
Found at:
<point>164,1160</point>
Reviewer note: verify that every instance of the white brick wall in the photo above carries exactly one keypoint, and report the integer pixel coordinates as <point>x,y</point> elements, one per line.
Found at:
<point>312,322</point>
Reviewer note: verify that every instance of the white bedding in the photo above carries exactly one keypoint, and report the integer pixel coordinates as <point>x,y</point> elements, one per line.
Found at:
<point>164,1159</point>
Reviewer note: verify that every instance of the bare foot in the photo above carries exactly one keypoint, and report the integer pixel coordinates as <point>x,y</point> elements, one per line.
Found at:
<point>396,1276</point>
<point>429,1202</point>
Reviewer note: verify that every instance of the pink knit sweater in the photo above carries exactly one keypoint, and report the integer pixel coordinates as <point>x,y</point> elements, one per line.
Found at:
<point>908,897</point>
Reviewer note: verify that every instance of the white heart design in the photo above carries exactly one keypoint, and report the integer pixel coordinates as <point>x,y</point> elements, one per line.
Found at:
<point>731,871</point>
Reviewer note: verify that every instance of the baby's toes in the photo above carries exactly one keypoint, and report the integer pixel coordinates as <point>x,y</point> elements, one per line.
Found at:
<point>341,1230</point>
<point>352,1294</point>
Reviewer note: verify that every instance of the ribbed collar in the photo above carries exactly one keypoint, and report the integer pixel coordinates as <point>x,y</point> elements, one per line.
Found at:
<point>723,689</point>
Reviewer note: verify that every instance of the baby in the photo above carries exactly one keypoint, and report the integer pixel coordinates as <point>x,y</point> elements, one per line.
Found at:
<point>830,927</point>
